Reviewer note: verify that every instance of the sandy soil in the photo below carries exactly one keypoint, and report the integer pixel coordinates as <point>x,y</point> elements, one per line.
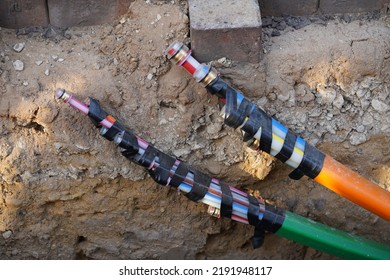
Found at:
<point>67,193</point>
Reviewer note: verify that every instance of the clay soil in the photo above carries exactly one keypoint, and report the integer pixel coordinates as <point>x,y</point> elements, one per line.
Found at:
<point>67,193</point>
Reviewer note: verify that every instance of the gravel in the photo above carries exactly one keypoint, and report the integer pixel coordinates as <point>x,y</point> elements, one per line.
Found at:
<point>19,47</point>
<point>18,65</point>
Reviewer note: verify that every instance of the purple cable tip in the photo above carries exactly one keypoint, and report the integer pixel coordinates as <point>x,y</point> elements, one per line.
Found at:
<point>59,92</point>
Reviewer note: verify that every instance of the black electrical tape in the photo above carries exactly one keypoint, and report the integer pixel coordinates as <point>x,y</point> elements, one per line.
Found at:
<point>234,115</point>
<point>288,147</point>
<point>226,201</point>
<point>148,157</point>
<point>311,164</point>
<point>218,87</point>
<point>116,128</point>
<point>253,210</point>
<point>258,237</point>
<point>96,113</point>
<point>129,142</point>
<point>180,174</point>
<point>258,118</point>
<point>273,218</point>
<point>200,186</point>
<point>161,174</point>
<point>253,219</point>
<point>252,125</point>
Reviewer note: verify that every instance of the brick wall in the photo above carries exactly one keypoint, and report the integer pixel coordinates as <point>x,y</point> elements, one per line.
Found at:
<point>316,7</point>
<point>60,13</point>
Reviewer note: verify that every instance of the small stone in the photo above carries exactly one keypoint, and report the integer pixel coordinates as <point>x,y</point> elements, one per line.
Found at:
<point>61,60</point>
<point>25,83</point>
<point>357,138</point>
<point>38,62</point>
<point>379,106</point>
<point>18,65</point>
<point>122,20</point>
<point>339,101</point>
<point>326,95</point>
<point>150,77</point>
<point>47,72</point>
<point>213,128</point>
<point>19,47</point>
<point>158,16</point>
<point>360,128</point>
<point>367,119</point>
<point>284,96</point>
<point>309,97</point>
<point>54,57</point>
<point>181,152</point>
<point>222,60</point>
<point>7,234</point>
<point>116,62</point>
<point>361,92</point>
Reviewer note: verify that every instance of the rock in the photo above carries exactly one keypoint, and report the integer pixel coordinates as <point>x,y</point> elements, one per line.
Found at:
<point>379,106</point>
<point>181,152</point>
<point>326,95</point>
<point>54,57</point>
<point>361,92</point>
<point>18,65</point>
<point>339,101</point>
<point>360,128</point>
<point>47,72</point>
<point>61,60</point>
<point>122,20</point>
<point>357,138</point>
<point>7,234</point>
<point>38,62</point>
<point>284,96</point>
<point>367,119</point>
<point>19,47</point>
<point>158,16</point>
<point>214,128</point>
<point>150,76</point>
<point>25,83</point>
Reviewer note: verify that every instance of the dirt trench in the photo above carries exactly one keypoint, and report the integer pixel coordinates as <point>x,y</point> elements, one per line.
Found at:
<point>67,193</point>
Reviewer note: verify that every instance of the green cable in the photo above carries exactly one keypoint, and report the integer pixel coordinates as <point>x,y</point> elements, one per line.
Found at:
<point>332,241</point>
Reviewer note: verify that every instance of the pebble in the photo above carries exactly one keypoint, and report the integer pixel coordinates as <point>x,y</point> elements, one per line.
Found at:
<point>367,119</point>
<point>339,101</point>
<point>122,21</point>
<point>38,62</point>
<point>284,96</point>
<point>181,152</point>
<point>54,57</point>
<point>47,72</point>
<point>360,128</point>
<point>61,60</point>
<point>150,77</point>
<point>326,96</point>
<point>25,83</point>
<point>158,16</point>
<point>379,106</point>
<point>7,234</point>
<point>357,138</point>
<point>18,65</point>
<point>19,47</point>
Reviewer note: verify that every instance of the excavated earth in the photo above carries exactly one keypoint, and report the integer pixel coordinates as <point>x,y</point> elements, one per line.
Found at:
<point>67,193</point>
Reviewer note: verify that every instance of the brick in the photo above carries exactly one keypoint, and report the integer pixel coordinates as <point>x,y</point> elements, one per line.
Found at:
<point>23,13</point>
<point>85,12</point>
<point>229,28</point>
<point>279,8</point>
<point>350,6</point>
